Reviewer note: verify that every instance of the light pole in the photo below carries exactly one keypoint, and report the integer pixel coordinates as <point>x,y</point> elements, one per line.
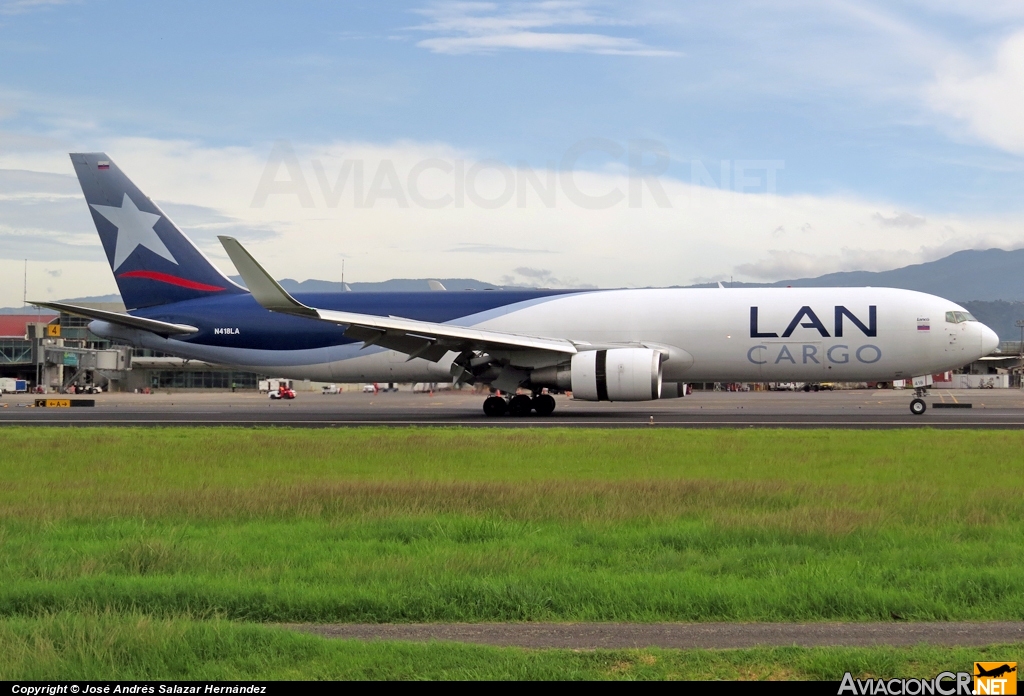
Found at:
<point>1020,352</point>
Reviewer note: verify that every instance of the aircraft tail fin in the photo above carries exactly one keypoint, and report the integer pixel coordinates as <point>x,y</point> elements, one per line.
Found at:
<point>153,262</point>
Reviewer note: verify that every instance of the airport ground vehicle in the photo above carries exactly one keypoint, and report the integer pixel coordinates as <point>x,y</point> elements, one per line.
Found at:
<point>13,386</point>
<point>282,392</point>
<point>330,389</point>
<point>603,345</point>
<point>271,385</point>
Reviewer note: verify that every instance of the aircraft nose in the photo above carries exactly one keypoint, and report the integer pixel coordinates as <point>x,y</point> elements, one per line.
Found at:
<point>989,340</point>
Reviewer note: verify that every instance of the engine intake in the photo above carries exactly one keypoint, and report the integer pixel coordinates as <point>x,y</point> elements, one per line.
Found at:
<point>617,374</point>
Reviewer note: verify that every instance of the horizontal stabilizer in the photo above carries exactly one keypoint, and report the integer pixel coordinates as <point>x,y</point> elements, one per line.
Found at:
<point>162,328</point>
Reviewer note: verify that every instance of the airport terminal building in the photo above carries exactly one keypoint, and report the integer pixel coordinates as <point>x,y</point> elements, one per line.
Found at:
<point>58,350</point>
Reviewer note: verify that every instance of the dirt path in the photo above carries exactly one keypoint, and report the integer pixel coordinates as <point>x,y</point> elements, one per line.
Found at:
<point>672,635</point>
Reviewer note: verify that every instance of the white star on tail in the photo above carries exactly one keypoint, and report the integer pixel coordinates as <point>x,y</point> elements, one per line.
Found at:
<point>134,229</point>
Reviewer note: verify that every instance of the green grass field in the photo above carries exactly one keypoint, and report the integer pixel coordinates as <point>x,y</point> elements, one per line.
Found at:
<point>136,647</point>
<point>382,525</point>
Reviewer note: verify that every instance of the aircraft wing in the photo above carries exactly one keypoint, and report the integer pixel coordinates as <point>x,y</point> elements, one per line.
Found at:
<point>162,328</point>
<point>418,339</point>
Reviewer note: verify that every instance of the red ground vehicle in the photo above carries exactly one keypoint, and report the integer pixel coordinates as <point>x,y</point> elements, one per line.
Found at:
<point>282,392</point>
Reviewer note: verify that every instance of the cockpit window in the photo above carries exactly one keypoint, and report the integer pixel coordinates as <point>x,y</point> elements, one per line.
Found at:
<point>959,317</point>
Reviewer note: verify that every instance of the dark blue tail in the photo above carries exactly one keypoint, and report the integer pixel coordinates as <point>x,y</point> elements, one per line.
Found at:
<point>153,262</point>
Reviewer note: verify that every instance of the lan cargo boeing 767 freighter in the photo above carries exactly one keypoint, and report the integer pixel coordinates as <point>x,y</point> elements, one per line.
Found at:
<point>603,345</point>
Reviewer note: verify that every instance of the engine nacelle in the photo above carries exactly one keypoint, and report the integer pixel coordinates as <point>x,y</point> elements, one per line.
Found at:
<point>618,374</point>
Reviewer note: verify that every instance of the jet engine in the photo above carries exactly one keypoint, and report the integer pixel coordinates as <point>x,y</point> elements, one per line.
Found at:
<point>617,374</point>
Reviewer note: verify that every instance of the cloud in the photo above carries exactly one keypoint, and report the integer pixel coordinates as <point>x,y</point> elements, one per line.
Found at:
<point>43,217</point>
<point>541,277</point>
<point>781,265</point>
<point>22,6</point>
<point>992,11</point>
<point>47,245</point>
<point>791,265</point>
<point>484,17</point>
<point>204,224</point>
<point>943,65</point>
<point>705,232</point>
<point>468,248</point>
<point>482,27</point>
<point>535,273</point>
<point>899,220</point>
<point>988,96</point>
<point>24,184</point>
<point>538,41</point>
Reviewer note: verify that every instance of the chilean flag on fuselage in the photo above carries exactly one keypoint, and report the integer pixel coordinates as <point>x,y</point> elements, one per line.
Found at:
<point>152,261</point>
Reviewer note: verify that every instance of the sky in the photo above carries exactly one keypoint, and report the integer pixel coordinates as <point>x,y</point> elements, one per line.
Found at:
<point>558,144</point>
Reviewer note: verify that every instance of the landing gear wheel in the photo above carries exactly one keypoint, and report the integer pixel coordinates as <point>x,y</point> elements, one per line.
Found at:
<point>918,407</point>
<point>495,406</point>
<point>544,404</point>
<point>520,405</point>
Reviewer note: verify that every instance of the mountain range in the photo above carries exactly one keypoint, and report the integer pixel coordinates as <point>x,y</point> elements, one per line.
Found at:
<point>971,275</point>
<point>989,283</point>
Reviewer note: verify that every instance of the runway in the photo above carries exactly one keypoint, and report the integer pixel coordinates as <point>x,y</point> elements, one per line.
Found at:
<point>858,409</point>
<point>593,636</point>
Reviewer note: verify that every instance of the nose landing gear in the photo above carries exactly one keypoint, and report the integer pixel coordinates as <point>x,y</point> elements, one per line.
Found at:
<point>918,405</point>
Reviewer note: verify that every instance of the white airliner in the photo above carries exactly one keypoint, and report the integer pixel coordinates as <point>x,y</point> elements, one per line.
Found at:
<point>602,345</point>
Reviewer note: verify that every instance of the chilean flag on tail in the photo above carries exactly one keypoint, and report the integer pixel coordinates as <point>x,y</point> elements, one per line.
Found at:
<point>153,262</point>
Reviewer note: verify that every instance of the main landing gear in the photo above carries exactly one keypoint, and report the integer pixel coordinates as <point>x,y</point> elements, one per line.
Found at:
<point>918,406</point>
<point>519,405</point>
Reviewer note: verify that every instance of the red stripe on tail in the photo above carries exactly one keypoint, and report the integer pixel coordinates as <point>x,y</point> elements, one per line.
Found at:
<point>171,280</point>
